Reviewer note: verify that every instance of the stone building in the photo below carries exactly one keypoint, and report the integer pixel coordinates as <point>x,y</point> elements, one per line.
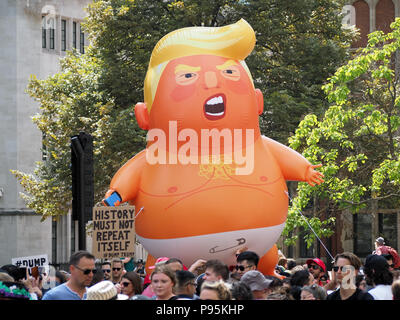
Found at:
<point>34,34</point>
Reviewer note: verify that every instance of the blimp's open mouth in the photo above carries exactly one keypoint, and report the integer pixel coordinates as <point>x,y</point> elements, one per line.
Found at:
<point>214,107</point>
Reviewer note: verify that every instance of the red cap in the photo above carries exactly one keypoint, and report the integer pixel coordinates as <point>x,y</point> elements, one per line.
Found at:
<point>318,262</point>
<point>162,259</point>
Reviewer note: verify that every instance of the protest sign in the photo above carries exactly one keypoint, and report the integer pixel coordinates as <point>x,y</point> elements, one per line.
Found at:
<point>41,260</point>
<point>113,232</point>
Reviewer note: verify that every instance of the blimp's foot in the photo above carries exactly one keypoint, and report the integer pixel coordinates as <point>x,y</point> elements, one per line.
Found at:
<point>268,262</point>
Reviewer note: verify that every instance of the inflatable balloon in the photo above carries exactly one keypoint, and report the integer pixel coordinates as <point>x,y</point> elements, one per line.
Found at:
<point>208,183</point>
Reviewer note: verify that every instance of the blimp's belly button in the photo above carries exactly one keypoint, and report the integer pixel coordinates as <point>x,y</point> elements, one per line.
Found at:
<point>172,189</point>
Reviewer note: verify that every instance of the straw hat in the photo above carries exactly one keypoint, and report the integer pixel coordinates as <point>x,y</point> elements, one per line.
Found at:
<point>104,290</point>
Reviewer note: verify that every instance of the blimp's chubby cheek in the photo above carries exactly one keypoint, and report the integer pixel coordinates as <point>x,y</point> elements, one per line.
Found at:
<point>241,86</point>
<point>181,93</point>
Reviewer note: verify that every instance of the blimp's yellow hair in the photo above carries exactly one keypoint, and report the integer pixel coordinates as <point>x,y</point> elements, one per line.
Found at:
<point>235,41</point>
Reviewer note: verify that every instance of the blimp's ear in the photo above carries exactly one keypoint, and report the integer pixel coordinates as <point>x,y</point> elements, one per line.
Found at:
<point>260,101</point>
<point>142,115</point>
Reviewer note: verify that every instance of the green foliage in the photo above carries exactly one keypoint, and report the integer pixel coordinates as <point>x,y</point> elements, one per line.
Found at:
<point>70,102</point>
<point>357,139</point>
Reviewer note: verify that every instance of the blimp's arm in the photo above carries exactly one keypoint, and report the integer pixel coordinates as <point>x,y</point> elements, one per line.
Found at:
<point>124,185</point>
<point>293,165</point>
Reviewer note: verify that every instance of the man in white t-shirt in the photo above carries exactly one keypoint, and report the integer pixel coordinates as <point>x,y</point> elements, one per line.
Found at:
<point>376,269</point>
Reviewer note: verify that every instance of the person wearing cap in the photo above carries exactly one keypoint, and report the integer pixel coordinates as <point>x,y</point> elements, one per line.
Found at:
<point>104,290</point>
<point>313,292</point>
<point>378,274</point>
<point>346,267</point>
<point>381,248</point>
<point>317,268</point>
<point>258,284</point>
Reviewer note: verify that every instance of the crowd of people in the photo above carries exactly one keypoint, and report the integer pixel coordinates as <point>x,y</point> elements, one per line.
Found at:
<point>378,278</point>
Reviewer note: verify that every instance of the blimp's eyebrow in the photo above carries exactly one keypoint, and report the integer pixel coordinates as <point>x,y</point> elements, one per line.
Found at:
<point>185,67</point>
<point>227,64</point>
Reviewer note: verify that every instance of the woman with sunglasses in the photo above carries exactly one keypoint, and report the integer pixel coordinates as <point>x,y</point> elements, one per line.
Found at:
<point>130,284</point>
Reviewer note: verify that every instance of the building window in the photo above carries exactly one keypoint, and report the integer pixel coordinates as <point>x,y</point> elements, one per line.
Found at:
<point>388,228</point>
<point>81,40</point>
<point>385,15</point>
<point>52,33</point>
<point>63,35</point>
<point>362,23</point>
<point>44,43</point>
<point>74,35</point>
<point>362,227</point>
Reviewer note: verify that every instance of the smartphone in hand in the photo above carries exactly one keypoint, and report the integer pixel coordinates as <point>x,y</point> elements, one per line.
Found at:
<point>35,272</point>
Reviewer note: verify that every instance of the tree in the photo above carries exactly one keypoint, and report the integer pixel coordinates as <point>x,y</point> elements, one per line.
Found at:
<point>357,139</point>
<point>298,45</point>
<point>70,102</point>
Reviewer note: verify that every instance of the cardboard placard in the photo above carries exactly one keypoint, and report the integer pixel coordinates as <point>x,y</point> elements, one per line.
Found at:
<point>113,232</point>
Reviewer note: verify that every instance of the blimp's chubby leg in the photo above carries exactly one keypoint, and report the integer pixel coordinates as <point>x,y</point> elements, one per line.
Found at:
<point>151,261</point>
<point>268,262</point>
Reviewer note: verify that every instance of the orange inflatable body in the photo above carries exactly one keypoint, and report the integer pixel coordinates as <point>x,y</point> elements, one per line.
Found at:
<point>199,198</point>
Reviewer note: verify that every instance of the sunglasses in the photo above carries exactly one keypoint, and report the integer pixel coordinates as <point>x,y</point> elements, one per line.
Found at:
<point>313,266</point>
<point>87,271</point>
<point>391,265</point>
<point>116,269</point>
<point>107,270</point>
<point>336,269</point>
<point>242,268</point>
<point>125,284</point>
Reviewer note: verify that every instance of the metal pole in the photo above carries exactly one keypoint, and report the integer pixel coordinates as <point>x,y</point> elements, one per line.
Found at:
<point>78,150</point>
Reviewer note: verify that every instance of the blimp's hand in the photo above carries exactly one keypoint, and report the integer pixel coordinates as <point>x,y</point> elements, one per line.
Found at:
<point>112,198</point>
<point>313,176</point>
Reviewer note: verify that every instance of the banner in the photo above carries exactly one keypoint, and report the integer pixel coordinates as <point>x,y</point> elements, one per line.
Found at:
<point>113,232</point>
<point>41,260</point>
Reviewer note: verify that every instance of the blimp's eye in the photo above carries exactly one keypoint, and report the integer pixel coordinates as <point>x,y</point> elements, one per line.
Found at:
<point>231,73</point>
<point>185,78</point>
